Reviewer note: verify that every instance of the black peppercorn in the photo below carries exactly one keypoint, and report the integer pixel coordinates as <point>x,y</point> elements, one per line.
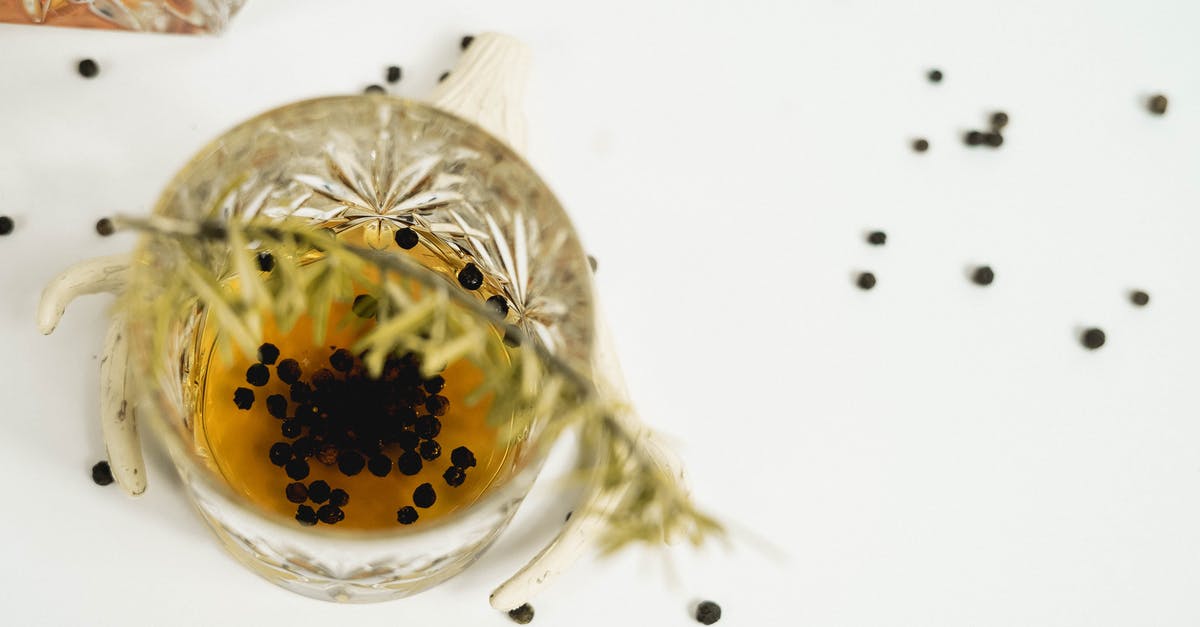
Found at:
<point>462,457</point>
<point>512,336</point>
<point>708,613</point>
<point>266,261</point>
<point>409,463</point>
<point>374,89</point>
<point>321,378</point>
<point>408,440</point>
<point>268,353</point>
<point>88,68</point>
<point>1157,104</point>
<point>934,75</point>
<point>424,496</point>
<point>983,275</point>
<point>319,491</point>
<point>406,515</point>
<point>444,76</point>
<point>258,375</point>
<point>428,427</point>
<point>365,306</point>
<point>466,42</point>
<point>993,139</point>
<point>243,398</point>
<point>521,615</point>
<point>299,392</point>
<point>280,453</point>
<point>920,145</point>
<point>435,384</point>
<point>470,277</point>
<point>350,463</point>
<point>277,406</point>
<point>296,469</point>
<point>430,450</point>
<point>288,371</point>
<point>327,454</point>
<point>406,238</point>
<point>331,514</point>
<point>296,492</point>
<point>877,238</point>
<point>454,476</point>
<point>6,225</point>
<point>290,428</point>
<point>105,227</point>
<point>973,138</point>
<point>342,360</point>
<point>498,303</point>
<point>393,74</point>
<point>306,516</point>
<point>866,280</point>
<point>1140,298</point>
<point>102,473</point>
<point>1093,338</point>
<point>303,448</point>
<point>379,465</point>
<point>339,497</point>
<point>999,120</point>
<point>437,404</point>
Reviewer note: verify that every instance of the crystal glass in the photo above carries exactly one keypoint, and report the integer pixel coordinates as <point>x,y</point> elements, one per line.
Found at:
<point>162,16</point>
<point>364,167</point>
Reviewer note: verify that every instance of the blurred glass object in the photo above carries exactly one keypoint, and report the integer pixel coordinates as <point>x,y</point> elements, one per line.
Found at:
<point>158,16</point>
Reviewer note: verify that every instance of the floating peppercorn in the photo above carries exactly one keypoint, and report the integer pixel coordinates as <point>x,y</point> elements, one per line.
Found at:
<point>435,384</point>
<point>266,261</point>
<point>102,473</point>
<point>243,398</point>
<point>1093,338</point>
<point>379,465</point>
<point>342,360</point>
<point>521,615</point>
<point>365,306</point>
<point>920,145</point>
<point>877,238</point>
<point>1140,298</point>
<point>339,497</point>
<point>306,516</point>
<point>406,515</point>
<point>88,68</point>
<point>993,139</point>
<point>296,492</point>
<point>277,406</point>
<point>296,469</point>
<point>437,404</point>
<point>1157,104</point>
<point>866,280</point>
<point>268,353</point>
<point>319,491</point>
<point>408,440</point>
<point>6,225</point>
<point>466,41</point>
<point>462,457</point>
<point>374,89</point>
<point>470,277</point>
<point>424,496</point>
<point>105,227</point>
<point>299,392</point>
<point>321,378</point>
<point>393,74</point>
<point>999,120</point>
<point>409,463</point>
<point>406,238</point>
<point>934,75</point>
<point>708,613</point>
<point>350,463</point>
<point>430,450</point>
<point>258,375</point>
<point>288,371</point>
<point>327,454</point>
<point>290,428</point>
<point>454,476</point>
<point>973,138</point>
<point>280,453</point>
<point>983,275</point>
<point>303,448</point>
<point>428,427</point>
<point>331,514</point>
<point>444,76</point>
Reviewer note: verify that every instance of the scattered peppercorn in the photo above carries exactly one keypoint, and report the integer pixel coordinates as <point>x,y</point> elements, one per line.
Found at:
<point>435,384</point>
<point>374,89</point>
<point>102,473</point>
<point>437,404</point>
<point>339,497</point>
<point>6,225</point>
<point>406,238</point>
<point>319,491</point>
<point>266,261</point>
<point>430,450</point>
<point>409,463</point>
<point>327,454</point>
<point>393,74</point>
<point>1157,104</point>
<point>296,469</point>
<point>522,615</point>
<point>920,145</point>
<point>935,76</point>
<point>424,496</point>
<point>973,138</point>
<point>1093,338</point>
<point>983,275</point>
<point>993,140</point>
<point>350,463</point>
<point>277,406</point>
<point>444,76</point>
<point>88,68</point>
<point>296,492</point>
<point>300,392</point>
<point>498,303</point>
<point>243,398</point>
<point>466,41</point>
<point>1140,298</point>
<point>470,277</point>
<point>258,375</point>
<point>866,280</point>
<point>708,613</point>
<point>408,440</point>
<point>999,120</point>
<point>306,516</point>
<point>288,371</point>
<point>379,465</point>
<point>365,306</point>
<point>428,427</point>
<point>105,227</point>
<point>280,453</point>
<point>454,476</point>
<point>406,515</point>
<point>877,238</point>
<point>290,428</point>
<point>342,360</point>
<point>303,448</point>
<point>331,514</point>
<point>462,457</point>
<point>268,353</point>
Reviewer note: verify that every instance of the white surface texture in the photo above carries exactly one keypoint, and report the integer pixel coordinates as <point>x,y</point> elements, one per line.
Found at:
<point>929,453</point>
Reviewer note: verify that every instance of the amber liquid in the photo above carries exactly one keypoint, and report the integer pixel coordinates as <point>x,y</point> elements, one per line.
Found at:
<point>237,441</point>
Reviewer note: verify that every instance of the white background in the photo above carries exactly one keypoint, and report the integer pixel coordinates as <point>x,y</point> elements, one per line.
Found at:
<point>929,453</point>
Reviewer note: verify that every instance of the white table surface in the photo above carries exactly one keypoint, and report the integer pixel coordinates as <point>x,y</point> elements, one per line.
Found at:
<point>930,453</point>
